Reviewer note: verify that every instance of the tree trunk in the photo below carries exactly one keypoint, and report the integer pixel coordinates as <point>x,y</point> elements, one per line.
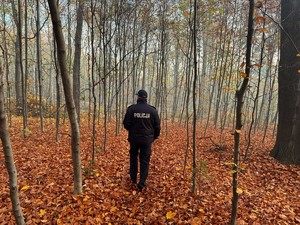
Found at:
<point>62,59</point>
<point>194,98</point>
<point>266,122</point>
<point>212,91</point>
<point>221,67</point>
<point>176,80</point>
<point>238,124</point>
<point>18,83</point>
<point>25,76</point>
<point>39,65</point>
<point>77,58</point>
<point>255,104</point>
<point>6,62</point>
<point>93,84</point>
<point>145,58</point>
<point>58,98</point>
<point>9,159</point>
<point>286,149</point>
<point>104,78</point>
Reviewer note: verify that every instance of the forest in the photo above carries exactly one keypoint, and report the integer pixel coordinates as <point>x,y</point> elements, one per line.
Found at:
<point>222,74</point>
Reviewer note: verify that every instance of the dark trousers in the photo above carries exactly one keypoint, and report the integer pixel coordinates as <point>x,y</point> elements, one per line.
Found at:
<point>145,151</point>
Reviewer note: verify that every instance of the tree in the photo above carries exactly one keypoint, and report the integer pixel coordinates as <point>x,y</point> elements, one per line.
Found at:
<point>77,57</point>
<point>25,72</point>
<point>238,118</point>
<point>62,59</point>
<point>9,159</point>
<point>286,149</point>
<point>39,63</point>
<point>7,71</point>
<point>194,96</point>
<point>18,19</point>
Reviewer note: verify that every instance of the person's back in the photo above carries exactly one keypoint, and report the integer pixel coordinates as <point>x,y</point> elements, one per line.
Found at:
<point>142,122</point>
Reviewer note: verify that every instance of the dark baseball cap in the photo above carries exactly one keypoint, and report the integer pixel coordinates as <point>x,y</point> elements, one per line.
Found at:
<point>142,94</point>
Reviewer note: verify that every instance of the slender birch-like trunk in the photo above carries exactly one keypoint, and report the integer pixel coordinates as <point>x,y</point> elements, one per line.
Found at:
<point>9,159</point>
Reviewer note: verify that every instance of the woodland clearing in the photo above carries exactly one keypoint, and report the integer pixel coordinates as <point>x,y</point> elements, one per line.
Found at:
<point>269,191</point>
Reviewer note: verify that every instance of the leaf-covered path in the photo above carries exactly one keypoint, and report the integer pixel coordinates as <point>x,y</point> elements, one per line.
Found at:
<point>270,192</point>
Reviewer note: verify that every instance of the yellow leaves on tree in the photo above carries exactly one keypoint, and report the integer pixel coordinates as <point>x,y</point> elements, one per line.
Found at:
<point>259,4</point>
<point>258,65</point>
<point>186,13</point>
<point>262,29</point>
<point>243,74</point>
<point>260,19</point>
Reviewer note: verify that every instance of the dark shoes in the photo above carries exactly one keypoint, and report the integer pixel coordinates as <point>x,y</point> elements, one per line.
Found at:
<point>131,180</point>
<point>141,186</point>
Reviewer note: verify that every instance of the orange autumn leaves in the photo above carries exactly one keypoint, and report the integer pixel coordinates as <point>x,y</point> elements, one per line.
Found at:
<point>45,181</point>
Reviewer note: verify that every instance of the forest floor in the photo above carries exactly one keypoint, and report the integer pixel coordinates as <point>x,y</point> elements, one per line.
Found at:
<point>269,191</point>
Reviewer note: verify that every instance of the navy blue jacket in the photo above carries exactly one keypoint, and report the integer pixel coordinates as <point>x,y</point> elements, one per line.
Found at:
<point>142,122</point>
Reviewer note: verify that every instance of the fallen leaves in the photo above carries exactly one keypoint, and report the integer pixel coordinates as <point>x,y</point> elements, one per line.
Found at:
<point>42,212</point>
<point>239,191</point>
<point>268,193</point>
<point>25,188</point>
<point>170,215</point>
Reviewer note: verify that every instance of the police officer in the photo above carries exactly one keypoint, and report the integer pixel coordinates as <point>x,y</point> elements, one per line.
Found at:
<point>143,125</point>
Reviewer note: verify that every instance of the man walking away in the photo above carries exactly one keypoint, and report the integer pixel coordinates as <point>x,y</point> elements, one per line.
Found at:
<point>143,125</point>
